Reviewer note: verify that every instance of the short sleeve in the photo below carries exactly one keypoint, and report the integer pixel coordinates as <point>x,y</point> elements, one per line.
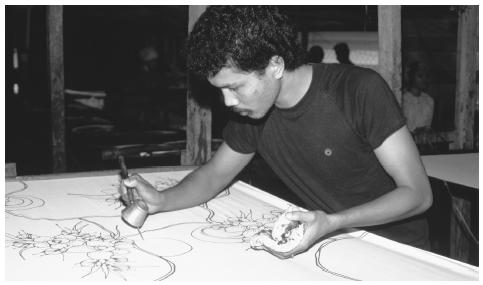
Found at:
<point>241,135</point>
<point>378,113</point>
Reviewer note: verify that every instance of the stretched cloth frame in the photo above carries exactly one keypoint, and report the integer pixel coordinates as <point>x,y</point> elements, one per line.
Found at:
<point>74,226</point>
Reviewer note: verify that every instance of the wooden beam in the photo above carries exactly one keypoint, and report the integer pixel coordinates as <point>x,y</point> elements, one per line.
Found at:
<point>466,68</point>
<point>459,242</point>
<point>389,30</point>
<point>198,120</point>
<point>55,65</point>
<point>100,173</point>
<point>10,169</point>
<point>305,39</point>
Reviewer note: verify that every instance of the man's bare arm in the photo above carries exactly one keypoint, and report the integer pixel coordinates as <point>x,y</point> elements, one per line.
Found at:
<point>400,158</point>
<point>206,181</point>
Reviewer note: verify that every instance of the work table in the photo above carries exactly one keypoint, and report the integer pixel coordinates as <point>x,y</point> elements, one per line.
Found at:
<point>72,223</point>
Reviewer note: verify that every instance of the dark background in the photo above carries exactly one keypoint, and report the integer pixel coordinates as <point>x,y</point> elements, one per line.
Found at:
<point>101,45</point>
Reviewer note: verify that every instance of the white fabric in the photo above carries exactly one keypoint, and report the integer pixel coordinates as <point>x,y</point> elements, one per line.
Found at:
<point>456,168</point>
<point>70,229</point>
<point>417,110</point>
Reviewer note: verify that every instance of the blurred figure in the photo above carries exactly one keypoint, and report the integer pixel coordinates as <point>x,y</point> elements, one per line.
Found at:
<point>315,54</point>
<point>137,103</point>
<point>149,58</point>
<point>342,52</point>
<point>417,105</point>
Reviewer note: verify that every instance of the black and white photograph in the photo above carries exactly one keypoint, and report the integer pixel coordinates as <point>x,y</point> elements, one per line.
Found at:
<point>241,143</point>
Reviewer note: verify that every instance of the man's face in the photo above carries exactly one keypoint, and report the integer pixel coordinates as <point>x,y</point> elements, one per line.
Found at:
<point>248,94</point>
<point>421,79</point>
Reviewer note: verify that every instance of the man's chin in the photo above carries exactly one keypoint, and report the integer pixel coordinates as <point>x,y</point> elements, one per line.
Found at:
<point>251,114</point>
<point>256,116</point>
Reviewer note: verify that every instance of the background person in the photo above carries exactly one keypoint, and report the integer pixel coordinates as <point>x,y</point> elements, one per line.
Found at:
<point>418,106</point>
<point>315,54</point>
<point>342,52</point>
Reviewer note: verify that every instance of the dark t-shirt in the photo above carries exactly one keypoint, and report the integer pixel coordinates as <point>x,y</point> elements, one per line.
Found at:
<point>323,147</point>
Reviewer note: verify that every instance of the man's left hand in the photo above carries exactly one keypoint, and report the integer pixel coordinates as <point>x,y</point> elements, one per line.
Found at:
<point>317,224</point>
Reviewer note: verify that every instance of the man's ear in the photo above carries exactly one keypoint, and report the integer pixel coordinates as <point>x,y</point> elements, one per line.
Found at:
<point>277,65</point>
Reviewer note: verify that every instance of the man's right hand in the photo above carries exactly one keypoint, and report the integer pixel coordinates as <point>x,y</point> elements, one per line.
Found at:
<point>142,190</point>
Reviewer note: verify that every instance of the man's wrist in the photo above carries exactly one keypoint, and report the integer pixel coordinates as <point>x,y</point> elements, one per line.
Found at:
<point>159,205</point>
<point>336,221</point>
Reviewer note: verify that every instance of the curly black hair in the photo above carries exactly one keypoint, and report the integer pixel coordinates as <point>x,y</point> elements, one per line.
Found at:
<point>245,37</point>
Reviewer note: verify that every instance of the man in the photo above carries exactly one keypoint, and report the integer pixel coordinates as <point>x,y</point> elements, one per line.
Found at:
<point>342,53</point>
<point>315,54</point>
<point>417,105</point>
<point>333,133</point>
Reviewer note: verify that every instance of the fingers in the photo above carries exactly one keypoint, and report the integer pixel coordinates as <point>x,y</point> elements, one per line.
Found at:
<point>302,216</point>
<point>299,216</point>
<point>138,178</point>
<point>136,181</point>
<point>281,255</point>
<point>275,253</point>
<point>133,181</point>
<point>143,191</point>
<point>123,193</point>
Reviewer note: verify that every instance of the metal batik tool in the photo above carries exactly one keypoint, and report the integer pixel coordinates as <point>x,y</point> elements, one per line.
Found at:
<point>136,210</point>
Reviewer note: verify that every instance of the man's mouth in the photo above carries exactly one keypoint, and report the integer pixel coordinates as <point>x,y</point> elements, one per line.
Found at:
<point>242,112</point>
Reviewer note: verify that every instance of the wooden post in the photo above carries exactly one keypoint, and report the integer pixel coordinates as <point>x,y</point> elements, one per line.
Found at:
<point>10,169</point>
<point>465,104</point>
<point>305,39</point>
<point>55,66</point>
<point>466,67</point>
<point>389,29</point>
<point>198,120</point>
<point>459,248</point>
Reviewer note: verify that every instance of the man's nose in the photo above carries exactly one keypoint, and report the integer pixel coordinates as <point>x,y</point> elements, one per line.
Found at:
<point>230,98</point>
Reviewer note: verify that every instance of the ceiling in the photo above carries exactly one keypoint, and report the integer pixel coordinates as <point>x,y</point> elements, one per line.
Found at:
<point>175,17</point>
